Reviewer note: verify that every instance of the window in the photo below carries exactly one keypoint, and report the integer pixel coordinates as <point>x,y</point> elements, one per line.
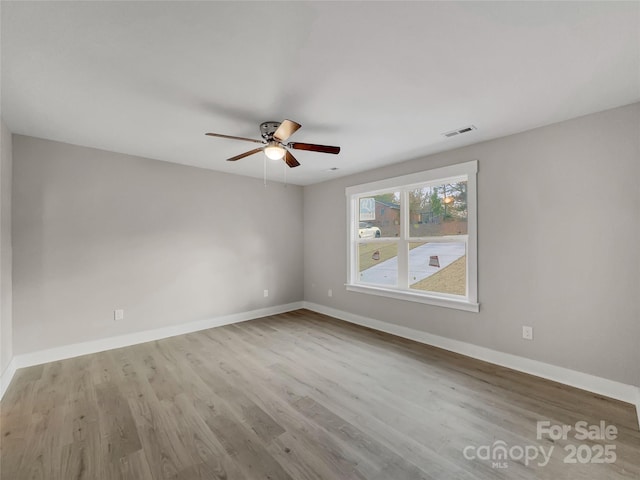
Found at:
<point>414,237</point>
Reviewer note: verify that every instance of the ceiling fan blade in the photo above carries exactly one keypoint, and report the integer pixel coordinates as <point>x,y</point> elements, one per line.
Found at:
<point>285,130</point>
<point>314,148</point>
<point>290,159</point>
<point>234,138</point>
<point>245,154</point>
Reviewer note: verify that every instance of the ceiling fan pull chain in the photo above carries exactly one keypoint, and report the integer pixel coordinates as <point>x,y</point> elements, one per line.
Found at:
<point>284,165</point>
<point>264,161</point>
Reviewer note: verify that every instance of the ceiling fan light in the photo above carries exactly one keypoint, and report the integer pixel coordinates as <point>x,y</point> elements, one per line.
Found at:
<point>274,152</point>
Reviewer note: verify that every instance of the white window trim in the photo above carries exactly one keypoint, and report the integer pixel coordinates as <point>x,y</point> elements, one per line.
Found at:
<point>405,182</point>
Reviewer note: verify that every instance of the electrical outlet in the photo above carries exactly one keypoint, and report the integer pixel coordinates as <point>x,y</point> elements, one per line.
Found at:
<point>266,293</point>
<point>118,315</point>
<point>330,293</point>
<point>527,333</point>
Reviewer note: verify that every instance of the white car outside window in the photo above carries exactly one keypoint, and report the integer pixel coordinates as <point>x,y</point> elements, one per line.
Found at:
<point>366,230</point>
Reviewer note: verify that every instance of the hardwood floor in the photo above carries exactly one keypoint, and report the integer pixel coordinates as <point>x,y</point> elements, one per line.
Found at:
<point>297,396</point>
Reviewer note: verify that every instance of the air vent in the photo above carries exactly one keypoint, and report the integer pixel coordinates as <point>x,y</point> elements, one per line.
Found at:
<point>453,133</point>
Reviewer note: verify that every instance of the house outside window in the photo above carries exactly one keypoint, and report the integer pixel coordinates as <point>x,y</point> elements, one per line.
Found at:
<point>425,246</point>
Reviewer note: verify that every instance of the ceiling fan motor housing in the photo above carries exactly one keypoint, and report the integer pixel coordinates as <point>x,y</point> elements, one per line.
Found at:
<point>267,129</point>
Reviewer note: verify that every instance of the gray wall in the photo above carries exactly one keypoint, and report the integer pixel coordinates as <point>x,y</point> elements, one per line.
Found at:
<point>559,229</point>
<point>94,231</point>
<point>6,342</point>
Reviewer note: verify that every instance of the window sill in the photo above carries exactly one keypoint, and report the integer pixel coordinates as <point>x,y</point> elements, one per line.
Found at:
<point>415,297</point>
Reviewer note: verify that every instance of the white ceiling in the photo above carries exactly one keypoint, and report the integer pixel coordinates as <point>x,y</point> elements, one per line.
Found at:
<point>382,80</point>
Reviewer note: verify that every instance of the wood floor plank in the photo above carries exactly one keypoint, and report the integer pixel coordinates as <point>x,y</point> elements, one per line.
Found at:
<point>158,432</point>
<point>135,467</point>
<point>207,456</point>
<point>295,379</point>
<point>294,396</point>
<point>241,426</point>
<point>334,450</point>
<point>307,448</point>
<point>210,457</point>
<point>116,423</point>
<point>394,466</point>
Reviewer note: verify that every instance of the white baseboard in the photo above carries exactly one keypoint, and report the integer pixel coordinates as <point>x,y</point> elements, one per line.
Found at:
<point>584,381</point>
<point>7,376</point>
<point>95,346</point>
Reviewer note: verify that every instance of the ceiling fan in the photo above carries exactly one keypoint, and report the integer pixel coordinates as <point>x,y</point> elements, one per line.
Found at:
<point>274,134</point>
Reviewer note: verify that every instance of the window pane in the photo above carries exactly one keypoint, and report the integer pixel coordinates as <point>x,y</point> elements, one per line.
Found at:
<point>438,210</point>
<point>379,216</point>
<point>378,263</point>
<point>438,267</point>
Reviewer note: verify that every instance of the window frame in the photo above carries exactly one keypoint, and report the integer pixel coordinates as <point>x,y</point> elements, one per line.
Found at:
<point>467,171</point>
